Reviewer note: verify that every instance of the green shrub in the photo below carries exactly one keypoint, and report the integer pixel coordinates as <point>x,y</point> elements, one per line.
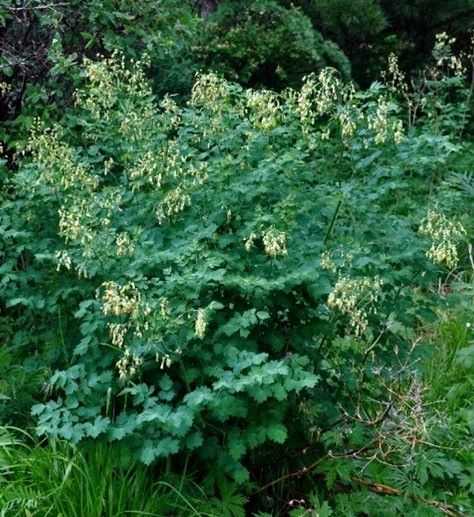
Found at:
<point>235,271</point>
<point>266,44</point>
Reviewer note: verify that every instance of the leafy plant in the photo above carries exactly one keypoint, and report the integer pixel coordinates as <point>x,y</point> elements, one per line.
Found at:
<point>244,271</point>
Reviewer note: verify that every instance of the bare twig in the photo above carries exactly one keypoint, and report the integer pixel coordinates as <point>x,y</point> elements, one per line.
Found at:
<point>37,7</point>
<point>379,488</point>
<point>298,473</point>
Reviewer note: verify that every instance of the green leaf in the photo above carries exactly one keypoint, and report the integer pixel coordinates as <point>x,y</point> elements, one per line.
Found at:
<point>277,433</point>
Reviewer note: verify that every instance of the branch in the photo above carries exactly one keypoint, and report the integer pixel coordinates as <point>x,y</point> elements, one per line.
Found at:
<point>305,470</point>
<point>37,7</point>
<point>298,473</point>
<point>379,488</point>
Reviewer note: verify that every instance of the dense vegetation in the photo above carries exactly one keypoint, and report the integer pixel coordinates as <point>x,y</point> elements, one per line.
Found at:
<point>236,262</point>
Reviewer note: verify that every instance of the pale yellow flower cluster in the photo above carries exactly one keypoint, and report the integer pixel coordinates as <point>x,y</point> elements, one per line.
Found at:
<point>110,77</point>
<point>174,163</point>
<point>121,300</point>
<point>119,93</point>
<point>305,102</point>
<point>445,57</point>
<point>117,332</point>
<point>264,108</point>
<point>79,220</point>
<point>327,262</point>
<point>249,243</point>
<point>198,173</point>
<point>125,246</point>
<point>100,77</point>
<point>318,96</point>
<point>200,325</point>
<point>165,309</point>
<point>152,167</point>
<point>63,259</point>
<point>445,236</point>
<point>168,166</point>
<point>355,298</point>
<point>4,88</point>
<point>128,365</point>
<point>211,91</point>
<point>171,108</point>
<point>137,123</point>
<point>398,132</point>
<point>383,125</point>
<point>174,202</point>
<point>72,225</point>
<point>379,123</point>
<point>59,167</point>
<point>347,124</point>
<point>164,360</point>
<point>326,95</point>
<point>394,77</point>
<point>274,242</point>
<point>125,301</point>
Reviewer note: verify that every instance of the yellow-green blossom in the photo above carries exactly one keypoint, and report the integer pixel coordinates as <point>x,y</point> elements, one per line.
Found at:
<point>174,202</point>
<point>445,236</point>
<point>355,297</point>
<point>124,244</point>
<point>120,300</point>
<point>274,242</point>
<point>201,323</point>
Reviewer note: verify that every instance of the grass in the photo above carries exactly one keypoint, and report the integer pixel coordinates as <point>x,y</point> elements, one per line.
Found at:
<point>59,480</point>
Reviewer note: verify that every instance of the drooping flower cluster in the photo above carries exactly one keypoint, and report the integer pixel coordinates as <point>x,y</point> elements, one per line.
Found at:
<point>110,79</point>
<point>327,262</point>
<point>121,300</point>
<point>82,219</point>
<point>274,242</point>
<point>4,88</point>
<point>445,236</point>
<point>201,323</point>
<point>148,170</point>
<point>125,246</point>
<point>174,202</point>
<point>394,78</point>
<point>63,259</point>
<point>383,125</point>
<point>445,57</point>
<point>319,95</point>
<point>128,365</point>
<point>172,110</point>
<point>347,124</point>
<point>57,161</point>
<point>117,332</point>
<point>72,223</point>
<point>336,260</point>
<point>249,243</point>
<point>164,360</point>
<point>211,91</point>
<point>355,298</point>
<point>264,107</point>
<point>125,302</point>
